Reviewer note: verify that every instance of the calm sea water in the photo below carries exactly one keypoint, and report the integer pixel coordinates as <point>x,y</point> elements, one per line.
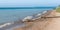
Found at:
<point>13,14</point>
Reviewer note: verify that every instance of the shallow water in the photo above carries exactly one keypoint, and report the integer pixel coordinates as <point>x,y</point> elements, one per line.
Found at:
<point>11,27</point>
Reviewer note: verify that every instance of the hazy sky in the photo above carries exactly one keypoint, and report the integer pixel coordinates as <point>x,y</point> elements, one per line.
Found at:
<point>17,3</point>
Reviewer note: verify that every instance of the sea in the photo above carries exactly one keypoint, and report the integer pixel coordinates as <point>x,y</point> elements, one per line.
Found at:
<point>8,14</point>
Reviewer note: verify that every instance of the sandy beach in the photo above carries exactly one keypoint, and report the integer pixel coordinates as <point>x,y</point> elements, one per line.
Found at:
<point>44,23</point>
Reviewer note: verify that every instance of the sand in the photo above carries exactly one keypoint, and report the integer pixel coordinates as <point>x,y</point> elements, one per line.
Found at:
<point>44,23</point>
<point>55,24</point>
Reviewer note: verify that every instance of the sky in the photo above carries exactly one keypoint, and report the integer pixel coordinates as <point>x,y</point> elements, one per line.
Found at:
<point>28,3</point>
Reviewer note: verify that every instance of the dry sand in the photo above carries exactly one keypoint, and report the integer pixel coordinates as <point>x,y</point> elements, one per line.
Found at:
<point>43,24</point>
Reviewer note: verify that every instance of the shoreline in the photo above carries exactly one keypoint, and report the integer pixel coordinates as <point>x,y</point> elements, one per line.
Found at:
<point>28,24</point>
<point>25,23</point>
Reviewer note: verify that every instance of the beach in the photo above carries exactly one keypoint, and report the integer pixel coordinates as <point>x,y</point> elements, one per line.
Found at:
<point>47,21</point>
<point>44,23</point>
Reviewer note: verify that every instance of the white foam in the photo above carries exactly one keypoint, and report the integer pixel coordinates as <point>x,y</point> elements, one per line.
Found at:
<point>38,14</point>
<point>1,26</point>
<point>44,12</point>
<point>28,17</point>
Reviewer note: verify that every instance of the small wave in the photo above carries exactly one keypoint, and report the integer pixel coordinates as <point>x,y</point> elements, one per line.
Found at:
<point>6,24</point>
<point>34,17</point>
<point>28,17</point>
